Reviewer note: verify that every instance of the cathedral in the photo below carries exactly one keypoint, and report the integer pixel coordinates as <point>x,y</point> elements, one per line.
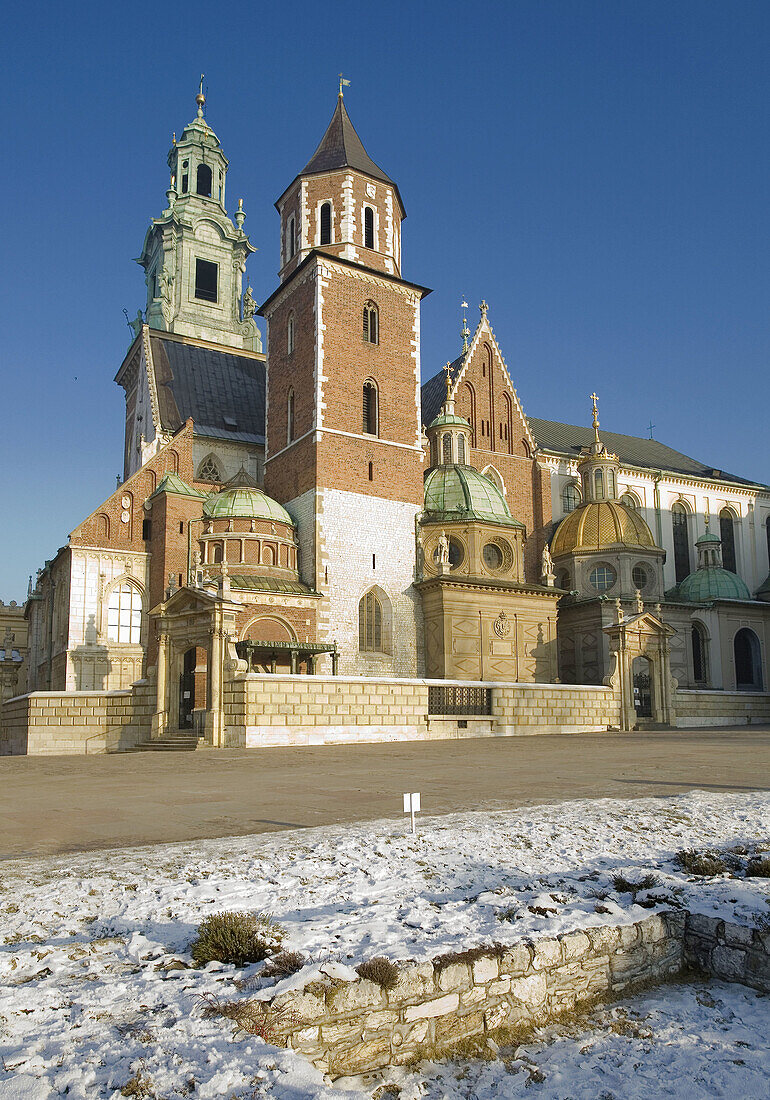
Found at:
<point>296,501</point>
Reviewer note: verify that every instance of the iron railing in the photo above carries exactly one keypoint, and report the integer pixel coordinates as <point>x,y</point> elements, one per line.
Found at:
<point>454,699</point>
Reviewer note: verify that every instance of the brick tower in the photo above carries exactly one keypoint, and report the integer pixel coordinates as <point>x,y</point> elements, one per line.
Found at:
<point>343,450</point>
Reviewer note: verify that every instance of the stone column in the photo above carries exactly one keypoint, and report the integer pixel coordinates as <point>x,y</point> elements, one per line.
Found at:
<point>215,701</point>
<point>160,718</point>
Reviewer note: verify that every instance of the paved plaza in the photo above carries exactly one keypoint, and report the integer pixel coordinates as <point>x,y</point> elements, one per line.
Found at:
<point>60,804</point>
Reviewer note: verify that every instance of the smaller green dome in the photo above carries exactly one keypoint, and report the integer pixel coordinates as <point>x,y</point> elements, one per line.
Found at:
<point>705,585</point>
<point>444,420</point>
<point>245,503</point>
<point>460,492</point>
<point>707,537</point>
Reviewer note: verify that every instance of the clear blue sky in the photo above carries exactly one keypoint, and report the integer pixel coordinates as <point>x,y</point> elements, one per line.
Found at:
<point>597,171</point>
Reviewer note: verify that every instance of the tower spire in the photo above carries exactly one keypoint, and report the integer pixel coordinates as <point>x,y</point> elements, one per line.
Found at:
<point>594,399</point>
<point>200,98</point>
<point>464,331</point>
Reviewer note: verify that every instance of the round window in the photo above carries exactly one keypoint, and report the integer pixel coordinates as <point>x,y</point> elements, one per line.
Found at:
<point>640,577</point>
<point>493,556</point>
<point>603,577</point>
<point>456,553</point>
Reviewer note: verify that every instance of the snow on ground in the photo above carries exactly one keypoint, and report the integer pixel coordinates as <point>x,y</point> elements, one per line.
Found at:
<point>86,1005</point>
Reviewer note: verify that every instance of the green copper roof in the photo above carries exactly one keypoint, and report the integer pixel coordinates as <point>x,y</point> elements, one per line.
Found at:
<point>449,418</point>
<point>705,585</point>
<point>460,492</point>
<point>246,504</point>
<point>707,536</point>
<point>172,483</point>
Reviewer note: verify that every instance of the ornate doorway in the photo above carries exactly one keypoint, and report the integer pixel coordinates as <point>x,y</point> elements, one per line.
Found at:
<point>187,690</point>
<point>643,687</point>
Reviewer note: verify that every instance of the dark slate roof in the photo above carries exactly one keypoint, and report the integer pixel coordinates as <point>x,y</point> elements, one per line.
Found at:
<point>341,147</point>
<point>570,439</point>
<point>434,392</point>
<point>222,391</point>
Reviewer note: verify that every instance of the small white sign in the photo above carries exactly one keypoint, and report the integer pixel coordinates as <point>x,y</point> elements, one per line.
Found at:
<point>412,805</point>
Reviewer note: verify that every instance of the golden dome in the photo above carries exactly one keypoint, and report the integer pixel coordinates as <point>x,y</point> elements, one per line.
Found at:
<point>599,525</point>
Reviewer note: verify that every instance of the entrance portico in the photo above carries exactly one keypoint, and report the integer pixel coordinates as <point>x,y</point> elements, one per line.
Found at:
<point>641,669</point>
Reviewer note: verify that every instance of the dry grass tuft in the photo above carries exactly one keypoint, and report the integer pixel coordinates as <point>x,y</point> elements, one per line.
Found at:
<point>379,970</point>
<point>250,1017</point>
<point>702,864</point>
<point>758,867</point>
<point>139,1086</point>
<point>283,965</point>
<point>237,938</point>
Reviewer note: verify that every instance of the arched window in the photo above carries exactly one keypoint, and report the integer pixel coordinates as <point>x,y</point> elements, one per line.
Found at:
<point>368,227</point>
<point>469,396</point>
<point>611,486</point>
<point>374,622</point>
<point>370,409</point>
<point>371,324</point>
<point>290,334</point>
<point>103,526</point>
<point>185,176</point>
<point>461,449</point>
<point>326,223</point>
<point>698,638</point>
<point>507,424</point>
<point>217,552</point>
<point>630,500</point>
<point>203,181</point>
<point>748,660</point>
<point>598,484</point>
<point>681,542</point>
<point>446,448</point>
<point>290,416</point>
<point>291,238</point>
<point>570,497</point>
<point>209,470</point>
<point>727,531</point>
<point>124,615</point>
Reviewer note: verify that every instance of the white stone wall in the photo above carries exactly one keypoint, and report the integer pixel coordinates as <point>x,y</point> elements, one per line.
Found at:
<point>231,456</point>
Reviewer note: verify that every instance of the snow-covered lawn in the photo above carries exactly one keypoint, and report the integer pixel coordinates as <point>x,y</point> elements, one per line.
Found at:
<point>87,1004</point>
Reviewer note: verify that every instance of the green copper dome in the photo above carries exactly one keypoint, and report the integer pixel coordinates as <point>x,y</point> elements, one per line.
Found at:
<point>708,536</point>
<point>444,419</point>
<point>705,585</point>
<point>460,492</point>
<point>244,503</point>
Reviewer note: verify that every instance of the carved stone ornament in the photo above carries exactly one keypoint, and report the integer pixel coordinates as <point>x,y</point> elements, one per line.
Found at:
<point>502,625</point>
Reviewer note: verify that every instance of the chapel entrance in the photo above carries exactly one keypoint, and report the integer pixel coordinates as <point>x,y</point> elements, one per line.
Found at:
<point>187,690</point>
<point>748,661</point>
<point>643,687</point>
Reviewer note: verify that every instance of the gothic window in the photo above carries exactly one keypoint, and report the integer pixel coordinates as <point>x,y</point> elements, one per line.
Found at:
<point>290,416</point>
<point>371,324</point>
<point>698,639</point>
<point>446,449</point>
<point>368,227</point>
<point>291,238</point>
<point>507,425</point>
<point>461,449</point>
<point>326,223</point>
<point>470,400</point>
<point>124,615</point>
<point>370,624</point>
<point>185,176</point>
<point>370,408</point>
<point>681,542</point>
<point>203,181</point>
<point>727,531</point>
<point>209,470</point>
<point>206,274</point>
<point>290,334</point>
<point>570,497</point>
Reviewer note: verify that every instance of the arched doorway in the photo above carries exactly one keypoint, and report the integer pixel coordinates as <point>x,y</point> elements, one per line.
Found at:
<point>748,660</point>
<point>643,687</point>
<point>187,689</point>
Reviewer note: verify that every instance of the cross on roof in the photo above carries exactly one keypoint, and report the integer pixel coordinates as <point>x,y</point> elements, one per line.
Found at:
<point>448,371</point>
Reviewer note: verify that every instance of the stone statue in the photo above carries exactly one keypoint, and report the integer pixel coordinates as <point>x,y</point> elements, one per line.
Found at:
<point>249,304</point>
<point>546,567</point>
<point>443,549</point>
<point>136,324</point>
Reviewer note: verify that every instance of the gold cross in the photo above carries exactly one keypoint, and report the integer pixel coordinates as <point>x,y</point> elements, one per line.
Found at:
<point>448,371</point>
<point>594,399</point>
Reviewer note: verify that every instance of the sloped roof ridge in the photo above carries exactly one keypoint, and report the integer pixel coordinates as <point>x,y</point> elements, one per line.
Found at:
<point>341,147</point>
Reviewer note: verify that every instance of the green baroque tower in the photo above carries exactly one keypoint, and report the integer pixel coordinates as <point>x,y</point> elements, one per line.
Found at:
<point>194,256</point>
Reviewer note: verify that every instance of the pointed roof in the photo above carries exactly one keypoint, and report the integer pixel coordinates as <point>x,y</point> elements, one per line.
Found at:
<point>341,147</point>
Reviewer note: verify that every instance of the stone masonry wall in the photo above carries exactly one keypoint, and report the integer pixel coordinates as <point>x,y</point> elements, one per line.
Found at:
<point>265,710</point>
<point>78,722</point>
<point>349,1028</point>
<point>721,708</point>
<point>729,951</point>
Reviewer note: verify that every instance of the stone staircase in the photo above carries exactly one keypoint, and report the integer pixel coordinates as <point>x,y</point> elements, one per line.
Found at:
<point>181,741</point>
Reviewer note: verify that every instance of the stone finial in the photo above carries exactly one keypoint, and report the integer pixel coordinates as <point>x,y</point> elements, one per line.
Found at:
<point>464,331</point>
<point>483,308</point>
<point>639,602</point>
<point>200,98</point>
<point>240,217</point>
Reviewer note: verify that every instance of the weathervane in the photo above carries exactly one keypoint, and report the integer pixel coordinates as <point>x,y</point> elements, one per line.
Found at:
<point>343,84</point>
<point>464,331</point>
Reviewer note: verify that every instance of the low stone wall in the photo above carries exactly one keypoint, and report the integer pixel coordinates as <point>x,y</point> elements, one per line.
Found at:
<point>76,722</point>
<point>721,708</point>
<point>729,951</point>
<point>267,710</point>
<point>349,1028</point>
<point>553,708</point>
